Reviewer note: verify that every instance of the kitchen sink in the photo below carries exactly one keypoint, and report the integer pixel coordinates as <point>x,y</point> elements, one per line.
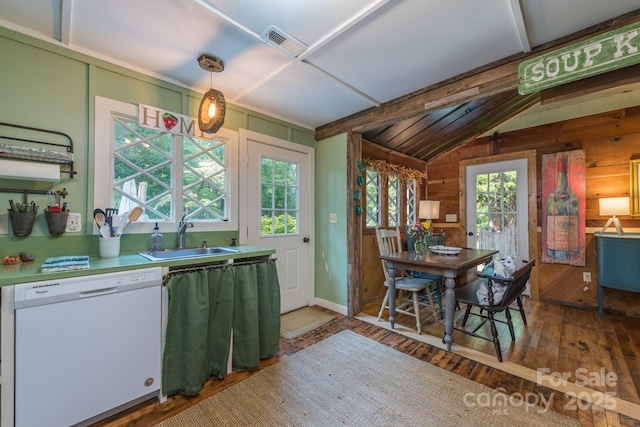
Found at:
<point>168,254</point>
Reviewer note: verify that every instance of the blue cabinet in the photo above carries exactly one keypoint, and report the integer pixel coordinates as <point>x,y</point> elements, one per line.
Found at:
<point>618,263</point>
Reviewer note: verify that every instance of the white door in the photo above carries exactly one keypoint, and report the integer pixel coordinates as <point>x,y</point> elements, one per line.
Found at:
<point>275,210</point>
<point>497,207</point>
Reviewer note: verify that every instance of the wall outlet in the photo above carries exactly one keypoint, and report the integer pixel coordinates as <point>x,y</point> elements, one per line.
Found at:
<point>333,218</point>
<point>4,223</point>
<point>586,276</point>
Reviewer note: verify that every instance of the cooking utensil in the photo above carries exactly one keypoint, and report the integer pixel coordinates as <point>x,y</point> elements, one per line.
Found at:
<point>97,211</point>
<point>54,198</point>
<point>133,216</point>
<point>115,224</point>
<point>105,231</point>
<point>99,219</point>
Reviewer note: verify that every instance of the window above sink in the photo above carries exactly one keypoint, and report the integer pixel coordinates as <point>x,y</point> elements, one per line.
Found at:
<point>168,174</point>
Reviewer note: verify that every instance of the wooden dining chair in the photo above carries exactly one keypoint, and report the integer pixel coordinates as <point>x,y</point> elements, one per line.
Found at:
<point>389,242</point>
<point>513,289</point>
<point>437,281</point>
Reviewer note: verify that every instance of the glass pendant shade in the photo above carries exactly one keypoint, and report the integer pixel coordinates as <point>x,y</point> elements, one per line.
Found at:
<point>212,111</point>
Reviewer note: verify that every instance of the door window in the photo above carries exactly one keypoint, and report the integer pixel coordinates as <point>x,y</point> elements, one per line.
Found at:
<point>498,207</point>
<point>497,211</point>
<point>279,200</point>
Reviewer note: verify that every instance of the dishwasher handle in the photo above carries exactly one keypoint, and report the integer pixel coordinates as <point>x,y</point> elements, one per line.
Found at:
<point>96,292</point>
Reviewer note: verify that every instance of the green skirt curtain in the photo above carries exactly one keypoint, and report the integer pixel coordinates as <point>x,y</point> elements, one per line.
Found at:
<point>256,315</point>
<point>205,308</point>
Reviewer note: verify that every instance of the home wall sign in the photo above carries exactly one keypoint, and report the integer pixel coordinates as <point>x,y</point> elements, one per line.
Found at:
<point>606,52</point>
<point>167,121</point>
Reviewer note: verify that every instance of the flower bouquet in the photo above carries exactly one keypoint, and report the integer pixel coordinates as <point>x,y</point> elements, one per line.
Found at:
<point>418,232</point>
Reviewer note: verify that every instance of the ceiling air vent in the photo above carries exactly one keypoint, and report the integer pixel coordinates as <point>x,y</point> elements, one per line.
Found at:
<point>283,41</point>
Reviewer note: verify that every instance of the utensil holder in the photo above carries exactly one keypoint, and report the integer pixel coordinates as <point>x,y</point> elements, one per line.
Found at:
<point>22,222</point>
<point>109,247</point>
<point>56,221</point>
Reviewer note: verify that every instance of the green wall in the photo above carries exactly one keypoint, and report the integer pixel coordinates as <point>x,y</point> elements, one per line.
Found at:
<point>331,239</point>
<point>47,86</point>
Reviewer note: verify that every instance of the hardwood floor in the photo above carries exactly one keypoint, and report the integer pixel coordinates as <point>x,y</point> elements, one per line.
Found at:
<point>600,354</point>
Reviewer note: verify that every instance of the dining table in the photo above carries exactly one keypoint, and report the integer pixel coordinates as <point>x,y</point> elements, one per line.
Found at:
<point>451,266</point>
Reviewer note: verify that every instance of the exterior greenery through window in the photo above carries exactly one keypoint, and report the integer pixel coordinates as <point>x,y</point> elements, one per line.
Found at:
<point>148,162</point>
<point>412,202</point>
<point>372,194</point>
<point>496,195</point>
<point>393,201</point>
<point>387,201</point>
<point>391,193</point>
<point>279,202</point>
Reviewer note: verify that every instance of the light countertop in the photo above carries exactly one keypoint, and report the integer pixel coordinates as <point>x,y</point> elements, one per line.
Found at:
<point>30,271</point>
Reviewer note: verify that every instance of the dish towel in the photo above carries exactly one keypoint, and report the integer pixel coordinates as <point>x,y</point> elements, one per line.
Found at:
<point>65,263</point>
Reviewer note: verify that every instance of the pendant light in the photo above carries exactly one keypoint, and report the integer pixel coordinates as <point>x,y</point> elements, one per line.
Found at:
<point>213,106</point>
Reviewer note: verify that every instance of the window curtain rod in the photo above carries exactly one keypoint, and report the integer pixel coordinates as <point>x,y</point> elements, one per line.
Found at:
<point>222,264</point>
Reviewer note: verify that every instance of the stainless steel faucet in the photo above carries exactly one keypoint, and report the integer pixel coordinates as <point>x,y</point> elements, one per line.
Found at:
<point>182,228</point>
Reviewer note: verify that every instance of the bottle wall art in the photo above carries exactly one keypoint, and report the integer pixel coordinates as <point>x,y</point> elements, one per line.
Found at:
<point>563,210</point>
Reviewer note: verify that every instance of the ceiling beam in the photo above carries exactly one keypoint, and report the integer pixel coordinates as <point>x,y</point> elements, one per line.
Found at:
<point>521,27</point>
<point>489,80</point>
<point>65,22</point>
<point>615,78</point>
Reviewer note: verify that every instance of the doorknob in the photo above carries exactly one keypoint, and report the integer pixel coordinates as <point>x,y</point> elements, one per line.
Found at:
<point>470,233</point>
<point>306,240</point>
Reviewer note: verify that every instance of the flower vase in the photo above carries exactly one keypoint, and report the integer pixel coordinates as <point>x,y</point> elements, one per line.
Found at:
<point>421,247</point>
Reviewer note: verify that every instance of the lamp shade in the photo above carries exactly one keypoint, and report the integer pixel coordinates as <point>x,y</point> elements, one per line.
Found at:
<point>212,111</point>
<point>614,206</point>
<point>429,209</point>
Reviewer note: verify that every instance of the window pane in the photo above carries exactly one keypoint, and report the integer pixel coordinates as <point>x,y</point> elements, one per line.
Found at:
<point>267,170</point>
<point>142,169</point>
<point>267,197</point>
<point>204,180</point>
<point>411,202</point>
<point>280,171</point>
<point>372,183</point>
<point>496,209</point>
<point>292,198</point>
<point>393,202</point>
<point>291,220</point>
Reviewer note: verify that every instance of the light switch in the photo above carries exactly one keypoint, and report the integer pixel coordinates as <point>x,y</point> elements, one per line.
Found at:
<point>333,218</point>
<point>452,218</point>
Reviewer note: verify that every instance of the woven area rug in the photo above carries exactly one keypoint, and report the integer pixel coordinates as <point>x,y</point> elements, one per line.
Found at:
<point>350,380</point>
<point>298,322</point>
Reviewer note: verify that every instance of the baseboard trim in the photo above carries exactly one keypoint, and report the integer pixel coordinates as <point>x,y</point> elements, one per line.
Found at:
<point>330,306</point>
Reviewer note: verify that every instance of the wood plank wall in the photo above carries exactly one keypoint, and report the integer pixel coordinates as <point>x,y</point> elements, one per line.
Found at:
<point>610,140</point>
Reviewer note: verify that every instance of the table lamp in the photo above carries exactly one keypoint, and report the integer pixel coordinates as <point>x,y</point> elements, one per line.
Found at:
<point>428,210</point>
<point>614,206</point>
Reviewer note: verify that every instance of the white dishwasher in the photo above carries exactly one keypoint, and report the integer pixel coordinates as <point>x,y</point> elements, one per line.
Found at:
<point>86,347</point>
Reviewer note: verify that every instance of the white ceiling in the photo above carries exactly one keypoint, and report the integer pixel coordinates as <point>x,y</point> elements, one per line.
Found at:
<point>360,53</point>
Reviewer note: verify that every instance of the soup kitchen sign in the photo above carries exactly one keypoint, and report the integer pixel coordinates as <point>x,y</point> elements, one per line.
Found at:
<point>597,55</point>
<point>166,121</point>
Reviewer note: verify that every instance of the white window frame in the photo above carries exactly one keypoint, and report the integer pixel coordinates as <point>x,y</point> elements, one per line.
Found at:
<point>103,172</point>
